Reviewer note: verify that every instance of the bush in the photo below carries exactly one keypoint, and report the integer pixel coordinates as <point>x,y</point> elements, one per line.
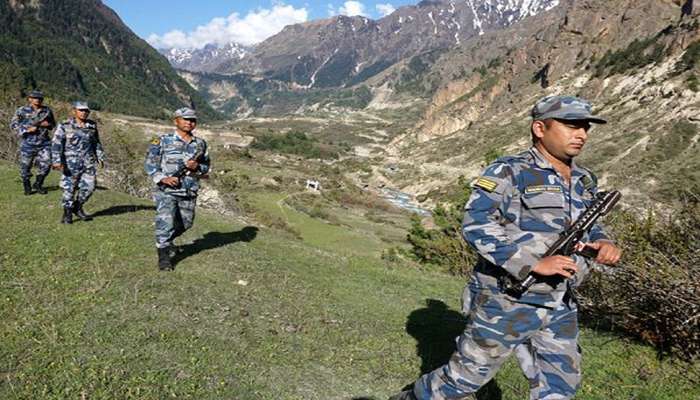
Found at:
<point>444,245</point>
<point>689,59</point>
<point>654,293</point>
<point>692,82</point>
<point>293,142</point>
<point>638,54</point>
<point>125,153</point>
<point>10,143</point>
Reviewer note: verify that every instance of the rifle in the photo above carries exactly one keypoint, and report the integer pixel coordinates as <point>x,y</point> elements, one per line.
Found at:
<point>39,117</point>
<point>183,170</point>
<point>568,242</point>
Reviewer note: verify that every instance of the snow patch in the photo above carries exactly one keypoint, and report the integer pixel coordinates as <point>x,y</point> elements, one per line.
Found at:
<point>477,21</point>
<point>430,16</point>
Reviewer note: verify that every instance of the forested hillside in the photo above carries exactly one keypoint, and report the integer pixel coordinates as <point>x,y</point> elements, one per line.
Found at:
<point>81,49</point>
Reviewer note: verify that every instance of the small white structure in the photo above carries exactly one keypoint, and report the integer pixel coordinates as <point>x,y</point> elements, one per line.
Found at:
<point>314,185</point>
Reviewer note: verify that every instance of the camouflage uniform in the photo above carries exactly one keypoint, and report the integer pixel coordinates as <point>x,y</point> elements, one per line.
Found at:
<point>518,207</point>
<point>174,206</point>
<point>34,146</point>
<point>79,150</point>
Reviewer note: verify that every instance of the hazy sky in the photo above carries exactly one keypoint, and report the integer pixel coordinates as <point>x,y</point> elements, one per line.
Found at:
<point>194,23</point>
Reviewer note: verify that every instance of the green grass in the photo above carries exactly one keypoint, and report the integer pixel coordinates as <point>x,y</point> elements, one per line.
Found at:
<point>86,314</point>
<point>341,239</point>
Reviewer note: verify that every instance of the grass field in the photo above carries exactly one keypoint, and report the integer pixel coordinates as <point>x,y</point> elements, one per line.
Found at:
<point>247,314</point>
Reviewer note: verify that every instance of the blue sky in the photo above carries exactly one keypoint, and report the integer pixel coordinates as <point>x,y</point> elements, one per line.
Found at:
<point>193,23</point>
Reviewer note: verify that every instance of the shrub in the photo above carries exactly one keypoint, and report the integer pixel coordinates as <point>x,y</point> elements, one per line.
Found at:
<point>692,82</point>
<point>443,245</point>
<point>125,154</point>
<point>654,293</point>
<point>637,54</point>
<point>689,59</point>
<point>293,142</point>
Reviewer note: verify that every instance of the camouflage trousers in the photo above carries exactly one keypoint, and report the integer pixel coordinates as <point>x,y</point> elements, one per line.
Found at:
<point>28,155</point>
<point>174,215</point>
<point>77,186</point>
<point>547,340</point>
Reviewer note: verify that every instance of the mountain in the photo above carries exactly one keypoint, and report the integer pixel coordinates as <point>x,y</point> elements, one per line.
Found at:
<point>343,51</point>
<point>210,58</point>
<point>464,102</point>
<point>352,54</point>
<point>81,49</point>
<point>641,73</point>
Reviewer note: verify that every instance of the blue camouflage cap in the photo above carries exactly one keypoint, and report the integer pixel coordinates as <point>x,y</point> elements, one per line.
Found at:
<point>36,94</point>
<point>566,108</point>
<point>186,113</point>
<point>81,105</point>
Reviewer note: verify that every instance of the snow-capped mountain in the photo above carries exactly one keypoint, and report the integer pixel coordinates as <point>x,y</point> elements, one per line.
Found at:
<point>210,58</point>
<point>342,50</point>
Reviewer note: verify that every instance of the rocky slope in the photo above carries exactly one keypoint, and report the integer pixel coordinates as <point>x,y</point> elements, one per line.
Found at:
<point>640,72</point>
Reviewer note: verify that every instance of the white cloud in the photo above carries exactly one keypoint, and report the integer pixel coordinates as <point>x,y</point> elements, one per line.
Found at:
<point>255,27</point>
<point>385,9</point>
<point>351,8</point>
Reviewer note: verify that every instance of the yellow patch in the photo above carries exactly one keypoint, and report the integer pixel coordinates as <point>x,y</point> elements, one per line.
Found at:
<point>155,141</point>
<point>486,184</point>
<point>543,188</point>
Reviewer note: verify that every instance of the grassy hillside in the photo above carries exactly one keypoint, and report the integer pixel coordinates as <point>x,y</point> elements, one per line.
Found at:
<point>248,314</point>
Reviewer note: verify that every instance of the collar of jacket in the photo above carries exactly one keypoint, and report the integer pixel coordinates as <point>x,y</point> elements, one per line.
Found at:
<point>177,137</point>
<point>576,171</point>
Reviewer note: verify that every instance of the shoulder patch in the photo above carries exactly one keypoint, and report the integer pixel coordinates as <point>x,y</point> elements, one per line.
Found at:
<point>485,183</point>
<point>155,141</point>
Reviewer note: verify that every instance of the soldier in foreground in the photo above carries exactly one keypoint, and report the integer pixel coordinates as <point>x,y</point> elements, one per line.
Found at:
<point>32,124</point>
<point>175,161</point>
<point>76,151</point>
<point>518,207</point>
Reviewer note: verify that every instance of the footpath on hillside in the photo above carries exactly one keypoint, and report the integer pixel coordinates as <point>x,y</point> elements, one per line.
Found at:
<point>249,313</point>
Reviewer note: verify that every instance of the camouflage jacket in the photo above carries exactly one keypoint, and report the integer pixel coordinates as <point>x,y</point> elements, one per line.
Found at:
<point>76,147</point>
<point>168,153</point>
<point>26,117</point>
<point>518,207</point>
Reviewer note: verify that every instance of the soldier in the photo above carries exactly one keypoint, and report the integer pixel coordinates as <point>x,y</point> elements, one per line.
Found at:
<point>518,206</point>
<point>175,161</point>
<point>76,151</point>
<point>32,123</point>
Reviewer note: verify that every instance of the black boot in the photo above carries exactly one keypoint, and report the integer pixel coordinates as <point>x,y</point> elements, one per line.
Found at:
<point>164,263</point>
<point>67,216</point>
<point>405,395</point>
<point>78,211</point>
<point>38,185</point>
<point>27,186</point>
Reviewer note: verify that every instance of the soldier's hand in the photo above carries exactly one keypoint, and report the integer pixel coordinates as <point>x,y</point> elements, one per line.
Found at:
<point>556,265</point>
<point>57,167</point>
<point>170,181</point>
<point>608,253</point>
<point>32,129</point>
<point>192,165</point>
<point>44,123</point>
